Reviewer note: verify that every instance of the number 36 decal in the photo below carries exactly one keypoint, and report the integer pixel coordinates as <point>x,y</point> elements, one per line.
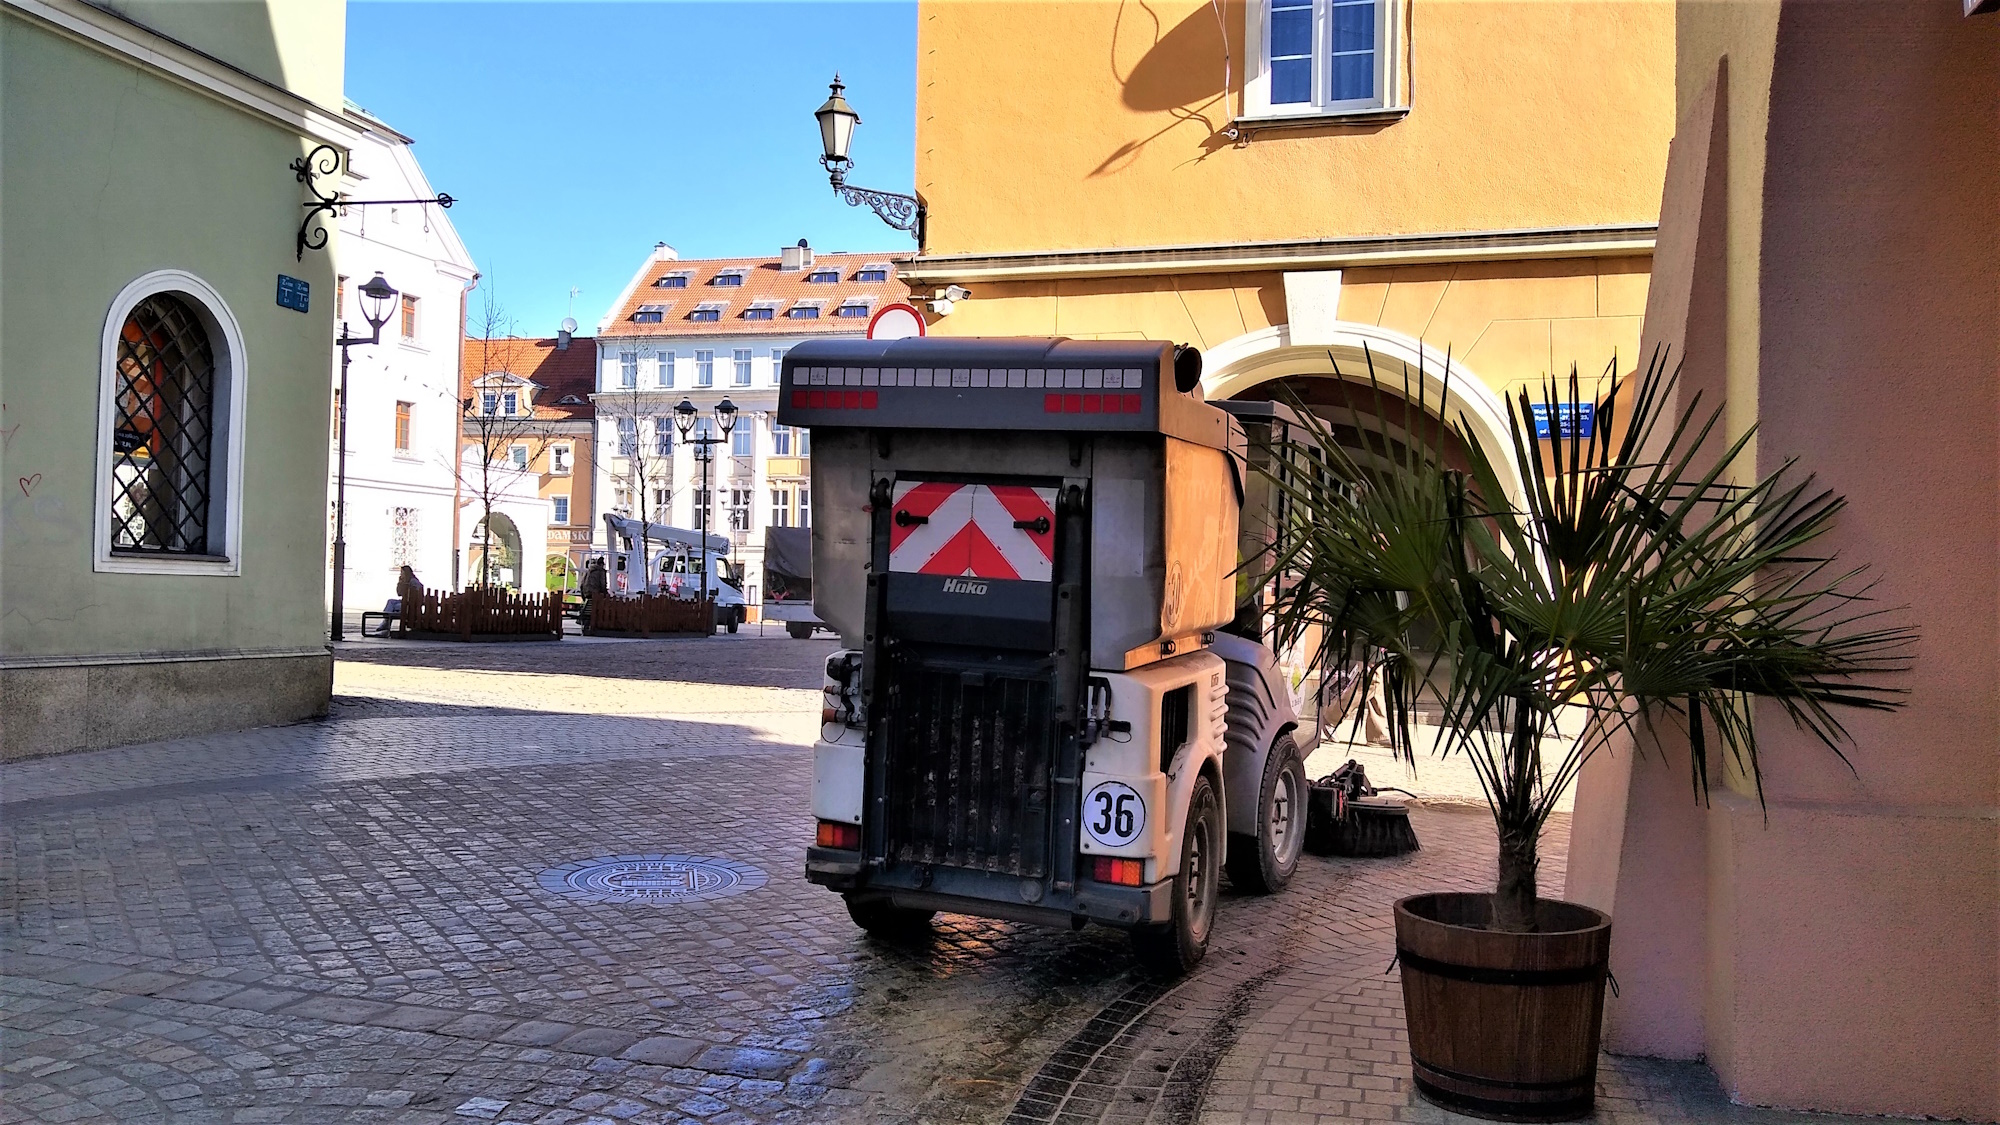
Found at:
<point>1113,813</point>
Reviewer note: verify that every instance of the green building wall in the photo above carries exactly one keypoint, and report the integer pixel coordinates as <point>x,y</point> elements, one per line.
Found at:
<point>109,171</point>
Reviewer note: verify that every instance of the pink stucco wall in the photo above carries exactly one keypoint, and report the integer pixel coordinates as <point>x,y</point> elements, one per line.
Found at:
<point>1839,948</point>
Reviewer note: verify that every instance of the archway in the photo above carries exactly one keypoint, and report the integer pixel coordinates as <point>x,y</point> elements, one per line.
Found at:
<point>1239,367</point>
<point>496,552</point>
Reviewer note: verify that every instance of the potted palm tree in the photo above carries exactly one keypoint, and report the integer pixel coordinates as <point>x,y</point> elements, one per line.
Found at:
<point>1630,586</point>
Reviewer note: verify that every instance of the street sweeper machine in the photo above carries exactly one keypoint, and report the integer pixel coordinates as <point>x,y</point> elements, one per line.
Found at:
<point>1040,711</point>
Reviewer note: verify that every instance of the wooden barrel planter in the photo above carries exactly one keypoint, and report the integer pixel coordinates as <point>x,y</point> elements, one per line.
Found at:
<point>1503,1026</point>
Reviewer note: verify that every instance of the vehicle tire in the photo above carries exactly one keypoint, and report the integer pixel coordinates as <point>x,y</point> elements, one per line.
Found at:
<point>735,620</point>
<point>1264,862</point>
<point>1169,949</point>
<point>887,920</point>
<point>799,630</point>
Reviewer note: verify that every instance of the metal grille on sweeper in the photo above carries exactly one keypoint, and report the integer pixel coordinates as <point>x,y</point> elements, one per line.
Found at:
<point>968,769</point>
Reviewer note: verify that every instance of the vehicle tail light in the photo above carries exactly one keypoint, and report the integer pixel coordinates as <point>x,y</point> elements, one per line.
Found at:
<point>1122,872</point>
<point>834,834</point>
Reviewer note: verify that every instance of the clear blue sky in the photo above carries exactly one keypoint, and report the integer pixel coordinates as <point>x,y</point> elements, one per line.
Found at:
<point>575,136</point>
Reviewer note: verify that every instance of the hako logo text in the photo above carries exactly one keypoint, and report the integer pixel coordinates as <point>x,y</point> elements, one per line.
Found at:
<point>963,586</point>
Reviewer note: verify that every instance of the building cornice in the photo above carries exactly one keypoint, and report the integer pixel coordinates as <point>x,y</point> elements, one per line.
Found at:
<point>1302,254</point>
<point>168,58</point>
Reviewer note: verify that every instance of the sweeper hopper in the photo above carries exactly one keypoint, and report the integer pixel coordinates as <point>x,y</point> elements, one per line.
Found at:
<point>1028,547</point>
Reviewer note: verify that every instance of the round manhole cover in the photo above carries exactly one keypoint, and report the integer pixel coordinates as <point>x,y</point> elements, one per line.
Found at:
<point>652,878</point>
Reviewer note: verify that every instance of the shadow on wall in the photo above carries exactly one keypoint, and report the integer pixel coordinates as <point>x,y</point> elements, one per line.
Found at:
<point>1181,73</point>
<point>1194,72</point>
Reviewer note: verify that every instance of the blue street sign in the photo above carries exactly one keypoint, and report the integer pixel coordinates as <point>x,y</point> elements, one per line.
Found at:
<point>1577,419</point>
<point>293,293</point>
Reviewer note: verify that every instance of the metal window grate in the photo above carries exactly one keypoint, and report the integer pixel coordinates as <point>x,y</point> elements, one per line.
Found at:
<point>163,433</point>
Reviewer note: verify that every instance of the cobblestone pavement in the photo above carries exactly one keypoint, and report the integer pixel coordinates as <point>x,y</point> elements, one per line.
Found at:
<point>346,921</point>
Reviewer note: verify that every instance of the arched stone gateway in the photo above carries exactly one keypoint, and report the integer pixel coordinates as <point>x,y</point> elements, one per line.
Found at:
<point>1332,377</point>
<point>496,552</point>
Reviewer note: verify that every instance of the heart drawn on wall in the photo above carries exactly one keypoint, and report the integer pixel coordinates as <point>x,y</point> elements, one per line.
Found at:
<point>28,484</point>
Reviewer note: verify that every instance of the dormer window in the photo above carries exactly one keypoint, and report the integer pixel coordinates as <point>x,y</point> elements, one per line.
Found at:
<point>672,281</point>
<point>728,278</point>
<point>873,272</point>
<point>852,307</point>
<point>823,277</point>
<point>761,310</point>
<point>804,310</point>
<point>650,314</point>
<point>709,310</point>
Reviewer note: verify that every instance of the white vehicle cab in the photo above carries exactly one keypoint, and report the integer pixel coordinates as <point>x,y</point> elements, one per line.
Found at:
<point>1029,549</point>
<point>679,568</point>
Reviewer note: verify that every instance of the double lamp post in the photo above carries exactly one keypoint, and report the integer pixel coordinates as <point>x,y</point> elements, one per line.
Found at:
<point>684,421</point>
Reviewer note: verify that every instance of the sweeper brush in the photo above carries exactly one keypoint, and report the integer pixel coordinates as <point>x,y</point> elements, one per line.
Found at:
<point>1346,816</point>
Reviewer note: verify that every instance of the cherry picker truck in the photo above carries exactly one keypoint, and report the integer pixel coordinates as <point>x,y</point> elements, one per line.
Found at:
<point>1029,549</point>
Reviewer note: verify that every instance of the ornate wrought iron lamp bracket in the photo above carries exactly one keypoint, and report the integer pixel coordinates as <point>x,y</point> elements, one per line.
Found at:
<point>324,161</point>
<point>904,212</point>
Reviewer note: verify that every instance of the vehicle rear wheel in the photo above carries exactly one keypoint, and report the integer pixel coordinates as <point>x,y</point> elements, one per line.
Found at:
<point>735,620</point>
<point>1169,949</point>
<point>885,919</point>
<point>1263,863</point>
<point>799,630</point>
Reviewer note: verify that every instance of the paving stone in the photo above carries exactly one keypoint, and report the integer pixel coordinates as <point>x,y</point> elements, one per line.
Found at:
<point>536,1033</point>
<point>748,1062</point>
<point>598,1041</point>
<point>665,1050</point>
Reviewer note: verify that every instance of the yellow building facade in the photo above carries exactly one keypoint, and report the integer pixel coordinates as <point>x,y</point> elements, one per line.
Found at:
<point>1289,183</point>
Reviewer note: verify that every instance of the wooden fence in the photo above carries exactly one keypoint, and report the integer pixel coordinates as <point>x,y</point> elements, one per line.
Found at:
<point>643,615</point>
<point>483,612</point>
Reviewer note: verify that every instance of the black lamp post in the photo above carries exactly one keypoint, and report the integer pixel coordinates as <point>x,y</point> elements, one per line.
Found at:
<point>837,120</point>
<point>684,420</point>
<point>377,299</point>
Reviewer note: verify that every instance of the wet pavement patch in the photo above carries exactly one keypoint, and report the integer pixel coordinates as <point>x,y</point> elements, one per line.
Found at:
<point>652,879</point>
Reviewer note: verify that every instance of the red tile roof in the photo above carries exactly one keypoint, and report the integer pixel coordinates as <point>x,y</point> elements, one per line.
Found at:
<point>559,373</point>
<point>763,282</point>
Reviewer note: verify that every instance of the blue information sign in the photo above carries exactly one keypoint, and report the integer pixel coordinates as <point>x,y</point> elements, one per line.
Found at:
<point>1577,419</point>
<point>294,293</point>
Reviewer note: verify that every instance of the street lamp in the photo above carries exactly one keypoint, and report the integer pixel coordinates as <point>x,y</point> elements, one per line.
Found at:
<point>377,300</point>
<point>684,421</point>
<point>837,120</point>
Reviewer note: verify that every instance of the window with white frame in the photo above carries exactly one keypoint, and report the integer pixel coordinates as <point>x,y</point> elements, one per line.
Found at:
<point>559,459</point>
<point>781,507</point>
<point>628,369</point>
<point>805,506</point>
<point>741,356</point>
<point>1322,57</point>
<point>489,402</point>
<point>510,403</point>
<point>781,441</point>
<point>805,442</point>
<point>518,454</point>
<point>739,509</point>
<point>628,436</point>
<point>778,365</point>
<point>743,441</point>
<point>702,512</point>
<point>621,499</point>
<point>402,538</point>
<point>704,368</point>
<point>661,495</point>
<point>561,506</point>
<point>663,369</point>
<point>663,435</point>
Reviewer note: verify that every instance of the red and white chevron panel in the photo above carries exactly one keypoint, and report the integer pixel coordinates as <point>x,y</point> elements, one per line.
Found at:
<point>973,530</point>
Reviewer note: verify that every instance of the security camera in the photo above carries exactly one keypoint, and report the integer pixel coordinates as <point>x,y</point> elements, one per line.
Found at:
<point>954,293</point>
<point>941,307</point>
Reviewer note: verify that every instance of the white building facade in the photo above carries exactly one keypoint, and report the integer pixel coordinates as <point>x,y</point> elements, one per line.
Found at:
<point>705,330</point>
<point>403,409</point>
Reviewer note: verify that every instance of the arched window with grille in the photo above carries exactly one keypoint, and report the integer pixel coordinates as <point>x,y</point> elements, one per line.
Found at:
<point>169,448</point>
